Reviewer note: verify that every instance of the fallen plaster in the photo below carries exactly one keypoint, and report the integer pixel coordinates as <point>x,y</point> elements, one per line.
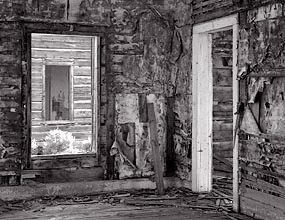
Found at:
<point>35,190</point>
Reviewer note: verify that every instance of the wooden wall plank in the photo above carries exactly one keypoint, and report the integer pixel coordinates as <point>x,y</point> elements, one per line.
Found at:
<point>158,169</point>
<point>270,208</point>
<point>257,209</point>
<point>37,53</point>
<point>82,70</point>
<point>82,113</point>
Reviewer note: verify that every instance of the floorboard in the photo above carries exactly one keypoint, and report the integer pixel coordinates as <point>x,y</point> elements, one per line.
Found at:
<point>110,212</point>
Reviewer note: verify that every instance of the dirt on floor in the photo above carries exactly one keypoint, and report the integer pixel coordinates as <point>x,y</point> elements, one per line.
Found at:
<point>214,205</point>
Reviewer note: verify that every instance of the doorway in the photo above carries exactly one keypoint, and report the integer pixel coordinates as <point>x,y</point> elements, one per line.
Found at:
<point>212,99</point>
<point>222,56</point>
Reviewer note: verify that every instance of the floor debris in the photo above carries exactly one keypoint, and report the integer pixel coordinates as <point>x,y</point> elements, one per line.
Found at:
<point>218,201</point>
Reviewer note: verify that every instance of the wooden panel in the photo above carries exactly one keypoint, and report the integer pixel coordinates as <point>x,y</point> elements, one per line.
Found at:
<point>262,205</point>
<point>77,175</point>
<point>223,94</point>
<point>82,90</point>
<point>158,169</point>
<point>226,154</point>
<point>223,146</point>
<point>223,135</point>
<point>255,183</point>
<point>222,76</point>
<point>36,115</point>
<point>210,5</point>
<point>37,53</point>
<point>258,209</point>
<point>202,113</point>
<point>222,61</point>
<point>223,97</point>
<point>77,161</point>
<point>82,104</point>
<point>222,125</point>
<point>80,97</point>
<point>56,43</point>
<point>82,71</point>
<point>37,79</point>
<point>37,68</point>
<point>70,128</point>
<point>204,10</point>
<point>37,106</point>
<point>82,113</point>
<point>223,114</point>
<point>82,80</point>
<point>82,62</point>
<point>61,41</point>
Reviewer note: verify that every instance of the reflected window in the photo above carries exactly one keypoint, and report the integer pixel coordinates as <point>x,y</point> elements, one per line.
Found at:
<point>57,80</point>
<point>64,112</point>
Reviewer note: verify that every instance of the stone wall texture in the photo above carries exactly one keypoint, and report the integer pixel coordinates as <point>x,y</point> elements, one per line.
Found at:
<point>148,53</point>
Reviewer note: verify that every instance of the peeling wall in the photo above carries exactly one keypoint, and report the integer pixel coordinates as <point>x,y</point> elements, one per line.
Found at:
<point>148,54</point>
<point>11,111</point>
<point>262,149</point>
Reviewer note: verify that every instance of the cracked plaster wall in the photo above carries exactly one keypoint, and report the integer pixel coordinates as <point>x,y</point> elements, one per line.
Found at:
<point>149,52</point>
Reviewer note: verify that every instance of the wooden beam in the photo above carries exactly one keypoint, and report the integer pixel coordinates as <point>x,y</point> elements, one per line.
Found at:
<point>236,117</point>
<point>95,88</point>
<point>27,192</point>
<point>155,149</point>
<point>170,152</point>
<point>202,106</point>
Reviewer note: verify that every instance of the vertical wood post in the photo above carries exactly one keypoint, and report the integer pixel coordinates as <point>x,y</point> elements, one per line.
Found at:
<point>202,105</point>
<point>155,149</point>
<point>235,120</point>
<point>170,152</point>
<point>95,86</point>
<point>202,102</point>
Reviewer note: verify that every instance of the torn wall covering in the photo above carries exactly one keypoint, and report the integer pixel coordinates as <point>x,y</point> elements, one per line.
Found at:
<point>262,149</point>
<point>148,53</point>
<point>127,113</point>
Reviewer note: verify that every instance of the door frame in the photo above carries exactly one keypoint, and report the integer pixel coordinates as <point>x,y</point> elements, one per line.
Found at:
<point>202,95</point>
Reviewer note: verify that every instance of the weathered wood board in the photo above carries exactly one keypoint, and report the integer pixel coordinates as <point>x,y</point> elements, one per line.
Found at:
<point>262,145</point>
<point>222,99</point>
<point>58,50</point>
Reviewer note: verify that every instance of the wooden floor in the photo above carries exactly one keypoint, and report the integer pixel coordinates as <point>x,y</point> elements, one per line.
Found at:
<point>101,211</point>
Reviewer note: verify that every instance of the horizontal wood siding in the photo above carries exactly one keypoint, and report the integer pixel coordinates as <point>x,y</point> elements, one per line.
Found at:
<point>73,51</point>
<point>262,142</point>
<point>208,9</point>
<point>222,100</point>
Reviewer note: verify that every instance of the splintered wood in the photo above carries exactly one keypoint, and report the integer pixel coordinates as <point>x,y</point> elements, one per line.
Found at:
<point>177,203</point>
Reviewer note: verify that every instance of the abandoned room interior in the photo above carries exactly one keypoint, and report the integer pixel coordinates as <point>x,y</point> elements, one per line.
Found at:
<point>150,106</point>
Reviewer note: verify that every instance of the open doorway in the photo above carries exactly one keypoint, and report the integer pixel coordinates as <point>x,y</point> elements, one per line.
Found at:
<point>215,99</point>
<point>222,56</point>
<point>64,88</point>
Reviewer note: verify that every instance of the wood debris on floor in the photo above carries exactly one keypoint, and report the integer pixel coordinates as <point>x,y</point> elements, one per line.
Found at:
<point>217,203</point>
